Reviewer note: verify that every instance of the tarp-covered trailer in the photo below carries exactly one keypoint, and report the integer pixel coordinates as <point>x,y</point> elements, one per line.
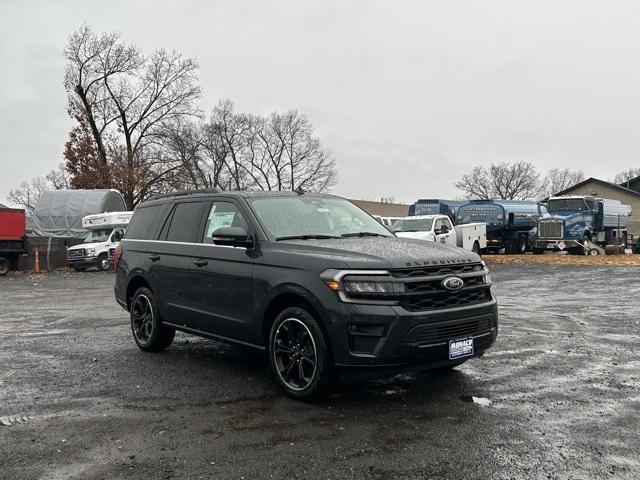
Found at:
<point>12,237</point>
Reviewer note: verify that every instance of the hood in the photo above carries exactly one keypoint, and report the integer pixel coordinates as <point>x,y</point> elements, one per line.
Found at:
<point>83,245</point>
<point>381,252</point>
<point>565,215</point>
<point>417,235</point>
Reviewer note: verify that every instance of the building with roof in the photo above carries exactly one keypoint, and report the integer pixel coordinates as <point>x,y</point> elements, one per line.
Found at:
<point>604,189</point>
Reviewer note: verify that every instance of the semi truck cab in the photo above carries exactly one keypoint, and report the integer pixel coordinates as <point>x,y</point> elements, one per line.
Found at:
<point>582,223</point>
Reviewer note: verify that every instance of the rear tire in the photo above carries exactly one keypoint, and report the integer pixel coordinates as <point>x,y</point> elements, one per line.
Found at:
<point>298,354</point>
<point>149,333</point>
<point>476,248</point>
<point>79,269</point>
<point>538,251</point>
<point>5,266</point>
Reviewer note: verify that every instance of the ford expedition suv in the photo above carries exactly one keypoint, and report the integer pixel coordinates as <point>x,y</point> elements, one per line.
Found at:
<point>311,279</point>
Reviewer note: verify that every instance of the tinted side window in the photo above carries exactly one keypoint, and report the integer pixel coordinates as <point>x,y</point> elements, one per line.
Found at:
<point>141,225</point>
<point>223,214</point>
<point>185,222</point>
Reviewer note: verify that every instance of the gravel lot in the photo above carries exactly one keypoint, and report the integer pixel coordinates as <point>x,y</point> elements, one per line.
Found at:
<point>557,397</point>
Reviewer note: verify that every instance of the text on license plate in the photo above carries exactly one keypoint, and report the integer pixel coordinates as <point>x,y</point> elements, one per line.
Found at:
<point>460,347</point>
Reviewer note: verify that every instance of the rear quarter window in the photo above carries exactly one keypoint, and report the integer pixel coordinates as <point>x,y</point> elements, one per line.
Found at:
<point>142,223</point>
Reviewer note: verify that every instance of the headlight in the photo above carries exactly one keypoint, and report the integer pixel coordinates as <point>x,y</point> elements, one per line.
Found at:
<point>372,286</point>
<point>355,286</point>
<point>91,252</point>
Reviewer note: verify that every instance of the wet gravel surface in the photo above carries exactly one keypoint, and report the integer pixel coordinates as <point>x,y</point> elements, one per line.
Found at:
<point>557,397</point>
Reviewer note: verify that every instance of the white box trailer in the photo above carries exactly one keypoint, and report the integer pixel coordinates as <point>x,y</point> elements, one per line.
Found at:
<point>106,221</point>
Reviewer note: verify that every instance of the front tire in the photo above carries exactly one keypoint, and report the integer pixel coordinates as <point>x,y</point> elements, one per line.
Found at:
<point>299,355</point>
<point>103,262</point>
<point>148,331</point>
<point>4,267</point>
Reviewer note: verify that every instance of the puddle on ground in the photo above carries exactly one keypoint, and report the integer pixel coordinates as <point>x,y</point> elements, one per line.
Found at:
<point>484,402</point>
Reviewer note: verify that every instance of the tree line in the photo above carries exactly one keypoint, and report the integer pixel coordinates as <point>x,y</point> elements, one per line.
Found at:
<point>139,129</point>
<point>521,181</point>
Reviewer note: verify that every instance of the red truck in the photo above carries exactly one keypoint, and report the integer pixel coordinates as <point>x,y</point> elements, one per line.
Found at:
<point>12,237</point>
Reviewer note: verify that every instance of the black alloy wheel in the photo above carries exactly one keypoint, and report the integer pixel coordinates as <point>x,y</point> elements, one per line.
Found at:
<point>299,355</point>
<point>148,331</point>
<point>142,319</point>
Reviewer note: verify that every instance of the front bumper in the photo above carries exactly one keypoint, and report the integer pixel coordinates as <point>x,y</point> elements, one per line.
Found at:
<point>549,244</point>
<point>82,262</point>
<point>373,337</point>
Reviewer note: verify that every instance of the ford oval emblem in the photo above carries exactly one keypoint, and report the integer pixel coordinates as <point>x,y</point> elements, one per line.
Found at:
<point>453,283</point>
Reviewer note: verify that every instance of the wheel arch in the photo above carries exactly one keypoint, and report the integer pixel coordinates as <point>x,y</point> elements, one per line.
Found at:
<point>136,282</point>
<point>292,296</point>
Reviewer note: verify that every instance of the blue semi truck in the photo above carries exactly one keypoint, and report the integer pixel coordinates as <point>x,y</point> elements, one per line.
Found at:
<point>436,206</point>
<point>581,224</point>
<point>510,223</point>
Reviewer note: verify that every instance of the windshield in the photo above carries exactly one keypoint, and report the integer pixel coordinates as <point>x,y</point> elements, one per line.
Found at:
<point>314,216</point>
<point>413,225</point>
<point>569,204</point>
<point>97,236</point>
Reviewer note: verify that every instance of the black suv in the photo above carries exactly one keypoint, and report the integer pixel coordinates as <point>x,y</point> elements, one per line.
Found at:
<point>312,279</point>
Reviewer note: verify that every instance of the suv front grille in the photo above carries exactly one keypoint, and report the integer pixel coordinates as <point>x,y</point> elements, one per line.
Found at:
<point>550,228</point>
<point>447,299</point>
<point>424,289</point>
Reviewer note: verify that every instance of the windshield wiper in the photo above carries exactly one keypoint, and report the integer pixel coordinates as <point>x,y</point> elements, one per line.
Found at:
<point>362,234</point>
<point>306,237</point>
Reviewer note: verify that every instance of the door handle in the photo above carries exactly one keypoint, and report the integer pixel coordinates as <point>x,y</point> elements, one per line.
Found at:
<point>154,256</point>
<point>200,263</point>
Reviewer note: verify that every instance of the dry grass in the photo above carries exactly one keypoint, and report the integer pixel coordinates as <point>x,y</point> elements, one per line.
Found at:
<point>557,259</point>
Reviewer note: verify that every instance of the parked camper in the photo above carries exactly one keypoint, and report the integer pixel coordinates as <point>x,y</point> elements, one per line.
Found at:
<point>508,222</point>
<point>12,237</point>
<point>439,228</point>
<point>436,206</point>
<point>105,232</point>
<point>581,224</point>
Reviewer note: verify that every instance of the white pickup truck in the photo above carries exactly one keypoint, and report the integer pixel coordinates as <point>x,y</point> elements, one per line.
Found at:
<point>438,228</point>
<point>105,232</point>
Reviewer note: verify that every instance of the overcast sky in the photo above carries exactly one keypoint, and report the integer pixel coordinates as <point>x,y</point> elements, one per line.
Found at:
<point>408,95</point>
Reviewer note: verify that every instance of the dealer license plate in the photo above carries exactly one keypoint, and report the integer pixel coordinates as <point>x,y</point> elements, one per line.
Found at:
<point>461,347</point>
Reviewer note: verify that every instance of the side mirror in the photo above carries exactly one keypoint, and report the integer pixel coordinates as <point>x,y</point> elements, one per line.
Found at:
<point>232,237</point>
<point>117,236</point>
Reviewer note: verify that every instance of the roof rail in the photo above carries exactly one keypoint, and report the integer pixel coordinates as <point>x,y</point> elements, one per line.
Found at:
<point>182,192</point>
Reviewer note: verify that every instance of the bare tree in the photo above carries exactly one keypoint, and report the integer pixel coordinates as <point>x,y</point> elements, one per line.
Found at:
<point>279,152</point>
<point>91,60</point>
<point>59,178</point>
<point>130,98</point>
<point>507,181</point>
<point>27,194</point>
<point>629,174</point>
<point>557,180</point>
